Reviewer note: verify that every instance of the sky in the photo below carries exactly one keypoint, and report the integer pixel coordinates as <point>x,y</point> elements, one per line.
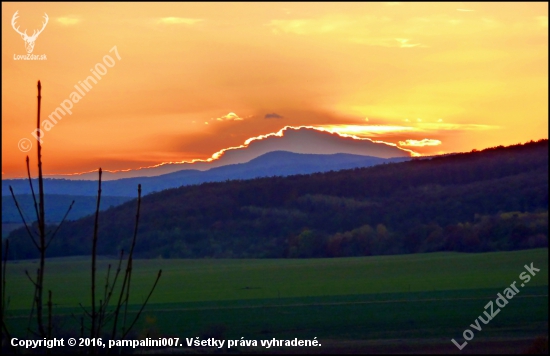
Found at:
<point>177,82</point>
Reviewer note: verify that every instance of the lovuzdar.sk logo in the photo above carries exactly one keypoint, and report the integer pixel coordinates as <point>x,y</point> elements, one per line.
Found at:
<point>29,40</point>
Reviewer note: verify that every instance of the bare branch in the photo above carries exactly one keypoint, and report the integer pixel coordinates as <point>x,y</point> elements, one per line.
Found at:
<point>115,279</point>
<point>130,259</point>
<point>30,278</point>
<point>4,303</point>
<point>128,272</point>
<point>110,293</point>
<point>144,304</point>
<point>32,190</point>
<point>94,256</point>
<point>41,224</point>
<point>23,218</point>
<point>84,310</point>
<point>49,314</point>
<point>61,223</point>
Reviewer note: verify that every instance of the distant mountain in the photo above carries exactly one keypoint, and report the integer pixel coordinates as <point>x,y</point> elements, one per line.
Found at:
<point>270,164</point>
<point>305,140</point>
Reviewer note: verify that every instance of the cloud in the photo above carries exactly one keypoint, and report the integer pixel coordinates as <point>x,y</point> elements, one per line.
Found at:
<point>410,127</point>
<point>179,20</point>
<point>367,30</point>
<point>403,43</point>
<point>68,21</point>
<point>308,136</point>
<point>364,130</point>
<point>458,127</point>
<point>231,116</point>
<point>420,143</point>
<point>311,26</point>
<point>273,116</point>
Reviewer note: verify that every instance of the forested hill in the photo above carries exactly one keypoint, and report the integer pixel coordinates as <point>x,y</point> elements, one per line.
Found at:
<point>495,199</point>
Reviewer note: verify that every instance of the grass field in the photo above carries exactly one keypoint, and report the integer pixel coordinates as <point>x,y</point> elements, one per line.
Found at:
<point>407,297</point>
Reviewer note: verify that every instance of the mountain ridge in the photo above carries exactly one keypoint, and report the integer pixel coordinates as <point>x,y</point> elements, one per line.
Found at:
<point>275,163</point>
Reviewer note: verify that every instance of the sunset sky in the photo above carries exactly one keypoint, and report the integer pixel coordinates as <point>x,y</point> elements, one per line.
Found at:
<point>196,78</point>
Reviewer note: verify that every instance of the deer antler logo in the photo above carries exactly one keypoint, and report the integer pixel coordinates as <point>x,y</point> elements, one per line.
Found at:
<point>29,40</point>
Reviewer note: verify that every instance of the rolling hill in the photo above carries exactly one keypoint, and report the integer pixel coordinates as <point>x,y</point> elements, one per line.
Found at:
<point>491,200</point>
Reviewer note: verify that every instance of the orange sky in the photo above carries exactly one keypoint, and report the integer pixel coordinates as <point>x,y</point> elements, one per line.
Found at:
<point>195,78</point>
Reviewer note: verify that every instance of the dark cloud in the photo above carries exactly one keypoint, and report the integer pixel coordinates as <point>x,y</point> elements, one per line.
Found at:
<point>273,116</point>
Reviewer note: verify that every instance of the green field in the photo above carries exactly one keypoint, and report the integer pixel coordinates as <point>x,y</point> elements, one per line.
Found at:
<point>417,296</point>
